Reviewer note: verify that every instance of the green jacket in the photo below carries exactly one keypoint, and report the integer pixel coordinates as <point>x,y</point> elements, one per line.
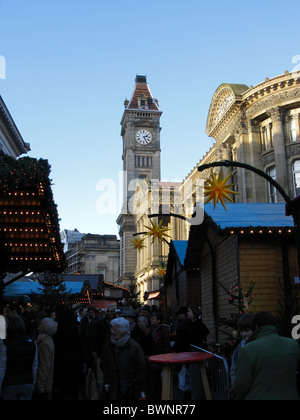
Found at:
<point>266,369</point>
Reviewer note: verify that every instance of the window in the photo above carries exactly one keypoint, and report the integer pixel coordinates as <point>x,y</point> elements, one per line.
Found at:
<point>293,129</point>
<point>143,162</point>
<point>266,135</point>
<point>296,175</point>
<point>143,102</point>
<point>264,138</point>
<point>272,190</point>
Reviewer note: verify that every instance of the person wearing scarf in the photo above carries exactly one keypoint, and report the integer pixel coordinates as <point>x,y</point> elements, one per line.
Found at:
<point>124,366</point>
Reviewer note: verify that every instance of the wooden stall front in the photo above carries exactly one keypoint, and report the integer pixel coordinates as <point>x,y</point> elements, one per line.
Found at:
<point>248,244</point>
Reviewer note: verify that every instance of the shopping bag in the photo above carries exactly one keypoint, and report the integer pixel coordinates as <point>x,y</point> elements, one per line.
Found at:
<point>91,389</point>
<point>184,379</point>
<point>98,371</point>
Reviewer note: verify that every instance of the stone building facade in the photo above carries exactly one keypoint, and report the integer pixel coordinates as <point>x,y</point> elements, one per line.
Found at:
<point>94,255</point>
<point>158,198</point>
<point>11,141</point>
<point>257,125</point>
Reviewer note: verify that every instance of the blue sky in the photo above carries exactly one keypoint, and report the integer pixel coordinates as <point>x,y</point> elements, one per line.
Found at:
<point>71,64</point>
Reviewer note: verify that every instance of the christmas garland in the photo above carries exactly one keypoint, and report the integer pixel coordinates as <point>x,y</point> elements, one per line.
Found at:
<point>23,174</point>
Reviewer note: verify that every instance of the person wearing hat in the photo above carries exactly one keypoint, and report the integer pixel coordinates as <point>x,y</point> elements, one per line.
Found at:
<point>146,312</point>
<point>139,330</point>
<point>44,382</point>
<point>130,315</point>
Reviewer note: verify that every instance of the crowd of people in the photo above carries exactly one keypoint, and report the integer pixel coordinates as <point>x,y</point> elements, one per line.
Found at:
<point>90,354</point>
<point>86,353</point>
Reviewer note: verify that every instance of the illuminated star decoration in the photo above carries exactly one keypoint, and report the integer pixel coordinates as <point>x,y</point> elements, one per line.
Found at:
<point>156,231</point>
<point>218,190</point>
<point>161,271</point>
<point>138,244</point>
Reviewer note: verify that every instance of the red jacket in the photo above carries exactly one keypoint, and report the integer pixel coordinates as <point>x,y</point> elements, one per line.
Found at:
<point>161,338</point>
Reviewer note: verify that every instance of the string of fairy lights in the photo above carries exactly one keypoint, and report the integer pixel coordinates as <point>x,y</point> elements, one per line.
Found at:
<point>29,229</point>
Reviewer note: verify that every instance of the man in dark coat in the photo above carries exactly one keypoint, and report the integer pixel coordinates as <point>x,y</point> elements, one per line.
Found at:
<point>124,366</point>
<point>88,332</point>
<point>68,362</point>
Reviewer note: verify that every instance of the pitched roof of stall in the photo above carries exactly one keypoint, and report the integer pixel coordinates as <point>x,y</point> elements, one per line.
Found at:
<point>249,215</point>
<point>180,247</point>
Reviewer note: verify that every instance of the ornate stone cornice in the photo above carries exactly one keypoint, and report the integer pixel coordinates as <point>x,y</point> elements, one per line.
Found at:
<point>253,126</point>
<point>272,101</point>
<point>293,149</point>
<point>268,158</point>
<point>241,128</point>
<point>276,113</point>
<point>223,107</point>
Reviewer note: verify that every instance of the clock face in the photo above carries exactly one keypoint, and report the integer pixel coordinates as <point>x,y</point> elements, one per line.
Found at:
<point>143,137</point>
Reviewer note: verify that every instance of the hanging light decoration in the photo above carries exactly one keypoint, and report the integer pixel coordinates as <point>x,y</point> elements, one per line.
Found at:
<point>157,231</point>
<point>218,189</point>
<point>138,244</point>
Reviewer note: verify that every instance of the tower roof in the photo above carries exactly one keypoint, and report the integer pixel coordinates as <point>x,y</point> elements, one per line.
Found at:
<point>142,97</point>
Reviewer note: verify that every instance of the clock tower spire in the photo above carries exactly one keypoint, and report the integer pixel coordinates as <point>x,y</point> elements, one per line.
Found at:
<point>141,159</point>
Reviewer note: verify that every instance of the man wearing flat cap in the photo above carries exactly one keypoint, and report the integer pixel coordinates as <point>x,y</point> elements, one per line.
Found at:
<point>140,335</point>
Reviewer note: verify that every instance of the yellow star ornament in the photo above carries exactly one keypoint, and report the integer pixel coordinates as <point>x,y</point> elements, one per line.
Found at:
<point>218,189</point>
<point>161,271</point>
<point>156,231</point>
<point>138,244</point>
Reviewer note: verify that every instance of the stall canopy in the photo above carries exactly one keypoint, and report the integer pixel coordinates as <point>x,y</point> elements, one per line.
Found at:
<point>254,215</point>
<point>22,288</point>
<point>154,295</point>
<point>29,225</point>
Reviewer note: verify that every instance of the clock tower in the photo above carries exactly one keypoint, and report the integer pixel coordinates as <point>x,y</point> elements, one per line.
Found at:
<point>141,160</point>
